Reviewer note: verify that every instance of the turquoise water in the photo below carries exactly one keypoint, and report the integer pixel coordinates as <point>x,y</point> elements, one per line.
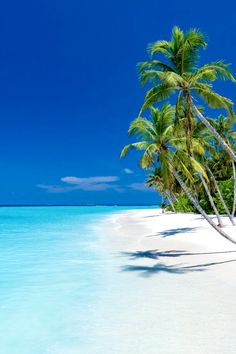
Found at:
<point>51,275</point>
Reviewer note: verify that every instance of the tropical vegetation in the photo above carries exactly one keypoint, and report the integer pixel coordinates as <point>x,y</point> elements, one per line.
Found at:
<point>190,157</point>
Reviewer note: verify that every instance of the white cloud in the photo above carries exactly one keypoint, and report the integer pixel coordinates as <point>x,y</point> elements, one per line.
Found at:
<point>97,183</point>
<point>141,187</point>
<point>97,179</point>
<point>128,171</point>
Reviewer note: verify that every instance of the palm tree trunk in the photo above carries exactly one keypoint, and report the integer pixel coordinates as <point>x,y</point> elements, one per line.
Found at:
<point>199,208</point>
<point>234,201</point>
<point>168,195</point>
<point>220,224</point>
<point>214,133</point>
<point>162,204</point>
<point>220,195</point>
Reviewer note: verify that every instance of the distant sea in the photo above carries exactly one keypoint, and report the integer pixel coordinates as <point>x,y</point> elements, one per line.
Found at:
<point>52,271</point>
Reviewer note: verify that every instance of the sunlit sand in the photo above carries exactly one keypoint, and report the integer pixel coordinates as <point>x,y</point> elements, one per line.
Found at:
<point>171,287</point>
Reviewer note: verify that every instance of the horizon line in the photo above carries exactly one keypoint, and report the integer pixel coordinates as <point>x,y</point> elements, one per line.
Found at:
<point>53,205</point>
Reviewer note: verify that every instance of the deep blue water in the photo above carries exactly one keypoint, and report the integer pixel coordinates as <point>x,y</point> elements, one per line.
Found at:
<point>51,266</point>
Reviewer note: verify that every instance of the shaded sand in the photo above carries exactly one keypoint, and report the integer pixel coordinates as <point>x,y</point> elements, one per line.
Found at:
<point>170,286</point>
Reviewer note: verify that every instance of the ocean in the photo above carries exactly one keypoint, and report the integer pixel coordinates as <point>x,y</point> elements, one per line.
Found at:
<point>53,270</point>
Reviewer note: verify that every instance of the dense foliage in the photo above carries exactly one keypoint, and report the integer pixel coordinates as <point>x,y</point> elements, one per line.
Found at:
<point>183,204</point>
<point>222,171</point>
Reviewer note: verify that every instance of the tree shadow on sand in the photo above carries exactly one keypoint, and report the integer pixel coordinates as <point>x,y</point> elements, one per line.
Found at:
<point>174,232</point>
<point>148,270</point>
<point>172,269</point>
<point>156,254</point>
<point>152,216</point>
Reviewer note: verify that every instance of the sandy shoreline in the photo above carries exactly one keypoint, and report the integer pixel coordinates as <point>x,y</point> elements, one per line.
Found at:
<point>186,238</point>
<point>171,287</point>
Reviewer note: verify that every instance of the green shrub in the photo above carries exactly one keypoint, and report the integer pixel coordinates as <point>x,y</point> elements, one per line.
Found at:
<point>183,204</point>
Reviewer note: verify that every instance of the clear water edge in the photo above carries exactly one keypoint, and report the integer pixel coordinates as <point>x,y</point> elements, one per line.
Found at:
<point>52,275</point>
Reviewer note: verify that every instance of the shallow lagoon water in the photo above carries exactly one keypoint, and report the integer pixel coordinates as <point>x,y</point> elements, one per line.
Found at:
<point>63,288</point>
<point>52,275</point>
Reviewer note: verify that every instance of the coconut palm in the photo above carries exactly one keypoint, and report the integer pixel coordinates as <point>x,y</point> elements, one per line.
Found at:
<point>214,207</point>
<point>163,149</point>
<point>225,129</point>
<point>156,135</point>
<point>178,73</point>
<point>220,194</point>
<point>234,177</point>
<point>200,133</point>
<point>155,180</point>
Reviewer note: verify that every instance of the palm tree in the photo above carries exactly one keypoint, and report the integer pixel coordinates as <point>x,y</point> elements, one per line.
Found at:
<point>155,180</point>
<point>220,195</point>
<point>162,148</point>
<point>199,208</point>
<point>197,135</point>
<point>200,133</point>
<point>208,192</point>
<point>179,73</point>
<point>234,201</point>
<point>156,137</point>
<point>224,127</point>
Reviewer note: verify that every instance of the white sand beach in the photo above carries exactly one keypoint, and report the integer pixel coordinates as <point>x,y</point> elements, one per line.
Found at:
<point>171,287</point>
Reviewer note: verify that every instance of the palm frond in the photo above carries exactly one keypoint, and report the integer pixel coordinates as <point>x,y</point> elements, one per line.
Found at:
<point>188,54</point>
<point>215,70</point>
<point>154,65</point>
<point>160,47</point>
<point>142,127</point>
<point>213,99</point>
<point>156,94</point>
<point>165,77</point>
<point>140,145</point>
<point>148,157</point>
<point>199,168</point>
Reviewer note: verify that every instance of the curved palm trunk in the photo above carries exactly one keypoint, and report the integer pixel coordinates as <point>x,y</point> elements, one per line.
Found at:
<point>199,208</point>
<point>220,195</point>
<point>211,200</point>
<point>234,201</point>
<point>214,133</point>
<point>168,195</point>
<point>162,204</point>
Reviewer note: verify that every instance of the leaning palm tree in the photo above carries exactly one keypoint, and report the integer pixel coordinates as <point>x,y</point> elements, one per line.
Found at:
<point>197,135</point>
<point>220,194</point>
<point>178,73</point>
<point>234,177</point>
<point>200,133</point>
<point>163,149</point>
<point>224,127</point>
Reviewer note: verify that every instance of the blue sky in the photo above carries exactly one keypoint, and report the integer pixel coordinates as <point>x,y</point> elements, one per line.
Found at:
<point>69,90</point>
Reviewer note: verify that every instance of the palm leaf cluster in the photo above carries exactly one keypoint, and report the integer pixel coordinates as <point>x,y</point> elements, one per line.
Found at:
<point>180,146</point>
